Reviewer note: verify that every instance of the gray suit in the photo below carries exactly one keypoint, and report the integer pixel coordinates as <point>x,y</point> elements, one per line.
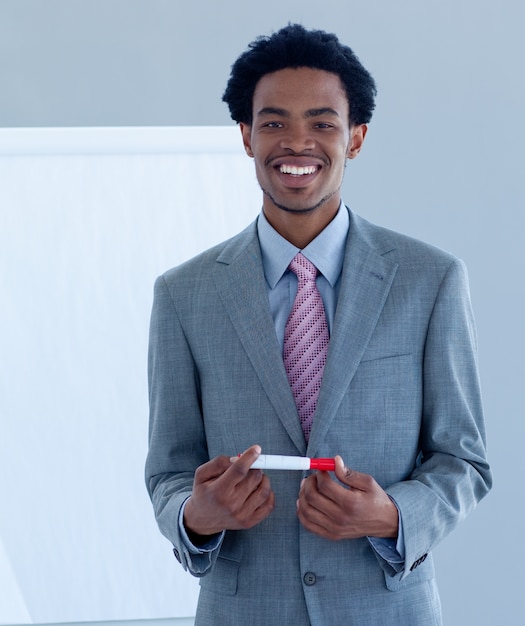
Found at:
<point>399,400</point>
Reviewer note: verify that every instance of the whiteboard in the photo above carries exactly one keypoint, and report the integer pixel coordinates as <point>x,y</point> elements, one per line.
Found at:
<point>88,219</point>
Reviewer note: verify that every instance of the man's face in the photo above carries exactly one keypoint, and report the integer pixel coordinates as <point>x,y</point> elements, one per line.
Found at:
<point>300,138</point>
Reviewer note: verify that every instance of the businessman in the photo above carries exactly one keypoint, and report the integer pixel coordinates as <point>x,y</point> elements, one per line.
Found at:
<point>312,333</point>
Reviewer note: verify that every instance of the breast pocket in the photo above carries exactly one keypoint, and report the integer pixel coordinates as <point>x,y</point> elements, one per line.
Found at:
<point>380,417</point>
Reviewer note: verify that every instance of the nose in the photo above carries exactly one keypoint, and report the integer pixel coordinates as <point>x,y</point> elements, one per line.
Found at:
<point>297,138</point>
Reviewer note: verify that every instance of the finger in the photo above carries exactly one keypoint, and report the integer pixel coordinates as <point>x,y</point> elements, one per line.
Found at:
<point>312,518</point>
<point>255,448</point>
<point>319,492</point>
<point>219,465</point>
<point>212,469</point>
<point>327,517</point>
<point>252,506</point>
<point>241,465</point>
<point>325,501</point>
<point>317,529</point>
<point>261,499</point>
<point>322,488</point>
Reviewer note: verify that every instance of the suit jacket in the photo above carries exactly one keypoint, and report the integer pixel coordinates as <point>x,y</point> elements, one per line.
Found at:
<point>399,400</point>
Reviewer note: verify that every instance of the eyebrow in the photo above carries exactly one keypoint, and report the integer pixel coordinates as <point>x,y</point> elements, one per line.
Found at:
<point>310,113</point>
<point>322,111</point>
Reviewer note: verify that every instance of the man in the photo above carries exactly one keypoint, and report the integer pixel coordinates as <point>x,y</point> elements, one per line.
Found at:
<point>398,406</point>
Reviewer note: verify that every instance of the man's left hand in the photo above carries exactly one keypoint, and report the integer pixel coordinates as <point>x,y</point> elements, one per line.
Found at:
<point>358,507</point>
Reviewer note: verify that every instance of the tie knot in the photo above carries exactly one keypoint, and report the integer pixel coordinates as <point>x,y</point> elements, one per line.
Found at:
<point>303,268</point>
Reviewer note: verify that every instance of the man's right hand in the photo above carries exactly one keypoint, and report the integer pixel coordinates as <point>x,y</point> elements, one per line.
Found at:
<point>228,495</point>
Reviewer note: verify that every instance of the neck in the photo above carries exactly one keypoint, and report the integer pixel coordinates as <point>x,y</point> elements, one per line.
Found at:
<point>299,228</point>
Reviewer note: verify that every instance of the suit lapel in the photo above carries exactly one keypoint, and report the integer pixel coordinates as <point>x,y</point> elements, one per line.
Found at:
<point>242,287</point>
<point>366,280</point>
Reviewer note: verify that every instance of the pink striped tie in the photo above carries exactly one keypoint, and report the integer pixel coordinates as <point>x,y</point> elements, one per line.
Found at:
<point>305,342</point>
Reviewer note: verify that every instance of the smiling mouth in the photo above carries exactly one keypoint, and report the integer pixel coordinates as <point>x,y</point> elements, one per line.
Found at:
<point>295,170</point>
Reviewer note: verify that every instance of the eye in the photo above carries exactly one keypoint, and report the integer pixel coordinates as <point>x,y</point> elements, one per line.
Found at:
<point>273,125</point>
<point>323,125</point>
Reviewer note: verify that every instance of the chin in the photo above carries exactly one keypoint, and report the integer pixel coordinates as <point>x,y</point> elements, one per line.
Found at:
<point>299,207</point>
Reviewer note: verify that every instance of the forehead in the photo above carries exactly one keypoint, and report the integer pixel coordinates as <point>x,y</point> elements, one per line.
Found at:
<point>293,89</point>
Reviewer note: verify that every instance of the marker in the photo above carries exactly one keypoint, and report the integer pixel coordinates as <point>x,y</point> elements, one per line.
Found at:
<point>279,462</point>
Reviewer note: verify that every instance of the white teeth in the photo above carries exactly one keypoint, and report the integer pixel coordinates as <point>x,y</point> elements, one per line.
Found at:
<point>298,171</point>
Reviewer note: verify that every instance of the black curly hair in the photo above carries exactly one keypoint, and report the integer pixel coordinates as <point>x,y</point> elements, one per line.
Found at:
<point>294,46</point>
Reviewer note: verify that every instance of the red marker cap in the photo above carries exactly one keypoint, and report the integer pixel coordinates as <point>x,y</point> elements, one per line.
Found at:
<point>325,465</point>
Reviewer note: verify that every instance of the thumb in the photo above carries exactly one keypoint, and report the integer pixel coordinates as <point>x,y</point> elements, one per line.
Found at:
<point>349,477</point>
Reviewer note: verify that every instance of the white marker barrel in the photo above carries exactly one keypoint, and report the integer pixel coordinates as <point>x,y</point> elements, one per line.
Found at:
<point>279,462</point>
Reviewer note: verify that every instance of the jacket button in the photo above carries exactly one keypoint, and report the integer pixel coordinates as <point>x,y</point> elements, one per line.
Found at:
<point>309,579</point>
<point>418,562</point>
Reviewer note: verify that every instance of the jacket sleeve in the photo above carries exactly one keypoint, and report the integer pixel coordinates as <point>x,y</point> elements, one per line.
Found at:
<point>452,473</point>
<point>177,443</point>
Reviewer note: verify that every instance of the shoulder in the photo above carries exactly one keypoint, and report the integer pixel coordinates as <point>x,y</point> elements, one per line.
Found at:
<point>204,264</point>
<point>398,247</point>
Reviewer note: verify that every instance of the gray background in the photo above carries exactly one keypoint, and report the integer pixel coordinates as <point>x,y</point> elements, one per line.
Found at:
<point>442,161</point>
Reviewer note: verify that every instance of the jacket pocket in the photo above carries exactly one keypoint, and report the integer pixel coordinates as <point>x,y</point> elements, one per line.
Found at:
<point>224,575</point>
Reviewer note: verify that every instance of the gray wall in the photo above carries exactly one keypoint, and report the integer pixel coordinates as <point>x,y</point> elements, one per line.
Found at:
<point>442,161</point>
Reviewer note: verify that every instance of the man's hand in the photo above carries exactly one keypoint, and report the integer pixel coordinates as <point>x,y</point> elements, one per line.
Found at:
<point>357,508</point>
<point>228,496</point>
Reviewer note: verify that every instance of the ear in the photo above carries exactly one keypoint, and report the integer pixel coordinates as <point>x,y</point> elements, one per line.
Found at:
<point>357,136</point>
<point>246,132</point>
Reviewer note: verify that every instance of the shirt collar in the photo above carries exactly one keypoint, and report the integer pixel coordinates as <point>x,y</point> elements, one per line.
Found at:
<point>326,251</point>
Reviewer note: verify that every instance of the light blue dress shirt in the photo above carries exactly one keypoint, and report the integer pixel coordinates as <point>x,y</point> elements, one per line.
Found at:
<point>326,252</point>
